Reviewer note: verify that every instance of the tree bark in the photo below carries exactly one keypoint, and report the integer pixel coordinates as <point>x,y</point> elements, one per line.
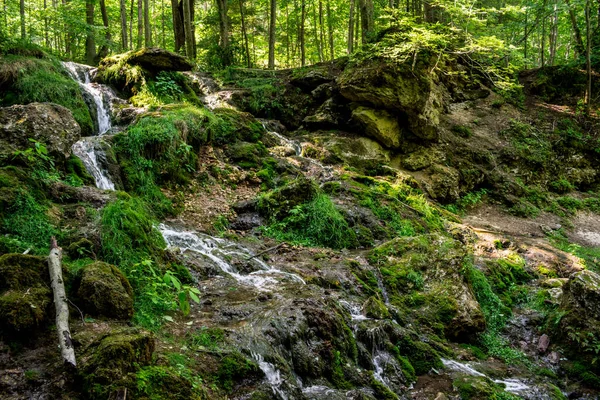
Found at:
<point>123,11</point>
<point>272,21</point>
<point>187,26</point>
<point>60,304</point>
<point>131,25</point>
<point>579,47</point>
<point>316,32</point>
<point>322,31</point>
<point>366,19</point>
<point>351,27</point>
<point>330,30</point>
<point>103,52</point>
<point>588,58</point>
<point>140,24</point>
<point>22,17</point>
<point>245,35</point>
<point>178,32</point>
<point>90,44</point>
<point>147,28</point>
<point>302,27</point>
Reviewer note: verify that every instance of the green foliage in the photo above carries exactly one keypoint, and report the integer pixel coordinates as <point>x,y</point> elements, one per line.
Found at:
<point>462,131</point>
<point>316,223</point>
<point>28,222</point>
<point>337,372</point>
<point>467,201</point>
<point>208,338</point>
<point>233,368</point>
<point>127,232</point>
<point>589,255</point>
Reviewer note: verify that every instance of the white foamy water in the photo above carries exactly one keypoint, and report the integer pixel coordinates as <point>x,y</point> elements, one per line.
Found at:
<point>512,385</point>
<point>220,251</point>
<point>85,149</point>
<point>272,374</point>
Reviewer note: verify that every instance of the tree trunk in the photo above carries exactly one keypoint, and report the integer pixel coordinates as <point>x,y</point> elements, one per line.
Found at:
<point>60,304</point>
<point>588,58</point>
<point>22,15</point>
<point>579,47</point>
<point>123,10</point>
<point>302,28</point>
<point>553,35</point>
<point>90,44</point>
<point>272,20</point>
<point>46,34</point>
<point>316,32</point>
<point>103,52</point>
<point>351,27</point>
<point>366,18</point>
<point>223,24</point>
<point>187,27</point>
<point>131,25</point>
<point>542,49</point>
<point>178,32</point>
<point>245,35</point>
<point>147,28</point>
<point>322,30</point>
<point>330,31</point>
<point>140,25</point>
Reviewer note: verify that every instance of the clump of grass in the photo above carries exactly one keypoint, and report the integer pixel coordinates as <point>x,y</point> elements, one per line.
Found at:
<point>316,223</point>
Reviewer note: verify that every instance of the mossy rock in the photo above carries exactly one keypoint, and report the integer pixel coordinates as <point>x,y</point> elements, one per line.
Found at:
<point>421,159</point>
<point>104,291</point>
<point>474,388</point>
<point>379,124</point>
<point>235,368</point>
<point>20,272</point>
<point>246,155</point>
<point>279,202</point>
<point>159,382</point>
<point>80,248</point>
<point>25,310</point>
<point>444,183</point>
<point>109,363</point>
<point>375,308</point>
<point>420,354</point>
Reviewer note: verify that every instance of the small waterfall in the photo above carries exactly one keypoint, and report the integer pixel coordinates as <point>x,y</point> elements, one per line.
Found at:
<point>222,252</point>
<point>272,374</point>
<point>81,73</point>
<point>512,385</point>
<point>288,142</point>
<point>86,150</point>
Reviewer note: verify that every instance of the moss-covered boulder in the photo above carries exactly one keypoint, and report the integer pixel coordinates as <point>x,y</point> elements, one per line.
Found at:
<point>474,388</point>
<point>409,91</point>
<point>25,298</point>
<point>379,124</point>
<point>157,59</point>
<point>104,291</point>
<point>47,123</point>
<point>443,183</point>
<point>424,273</point>
<point>279,202</point>
<point>375,308</point>
<point>108,362</point>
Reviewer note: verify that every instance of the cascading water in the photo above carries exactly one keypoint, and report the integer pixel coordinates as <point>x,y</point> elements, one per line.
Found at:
<point>272,374</point>
<point>220,251</point>
<point>81,74</point>
<point>88,149</point>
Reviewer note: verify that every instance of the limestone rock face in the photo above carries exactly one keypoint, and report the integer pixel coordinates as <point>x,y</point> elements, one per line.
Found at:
<point>582,294</point>
<point>156,59</point>
<point>104,291</point>
<point>380,125</point>
<point>47,123</point>
<point>396,88</point>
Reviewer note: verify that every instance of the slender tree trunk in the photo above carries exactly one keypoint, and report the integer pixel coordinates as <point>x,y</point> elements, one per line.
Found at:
<point>330,30</point>
<point>316,32</point>
<point>162,17</point>
<point>22,16</point>
<point>351,27</point>
<point>272,25</point>
<point>366,18</point>
<point>579,47</point>
<point>103,52</point>
<point>187,27</point>
<point>147,28</point>
<point>542,49</point>
<point>178,32</point>
<point>288,37</point>
<point>131,25</point>
<point>223,24</point>
<point>245,35</point>
<point>553,35</point>
<point>302,28</point>
<point>588,58</point>
<point>90,43</point>
<point>140,25</point>
<point>322,31</point>
<point>46,35</point>
<point>123,10</point>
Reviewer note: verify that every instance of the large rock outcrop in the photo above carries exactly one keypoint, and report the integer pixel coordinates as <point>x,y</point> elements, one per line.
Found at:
<point>411,94</point>
<point>47,123</point>
<point>380,125</point>
<point>157,59</point>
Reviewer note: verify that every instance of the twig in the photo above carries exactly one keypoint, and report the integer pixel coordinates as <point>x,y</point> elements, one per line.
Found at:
<point>78,309</point>
<point>266,251</point>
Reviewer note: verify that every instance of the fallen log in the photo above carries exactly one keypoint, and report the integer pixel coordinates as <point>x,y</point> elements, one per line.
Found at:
<point>60,303</point>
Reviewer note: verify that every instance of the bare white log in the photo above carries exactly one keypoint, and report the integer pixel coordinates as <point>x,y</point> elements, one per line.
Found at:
<point>60,303</point>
